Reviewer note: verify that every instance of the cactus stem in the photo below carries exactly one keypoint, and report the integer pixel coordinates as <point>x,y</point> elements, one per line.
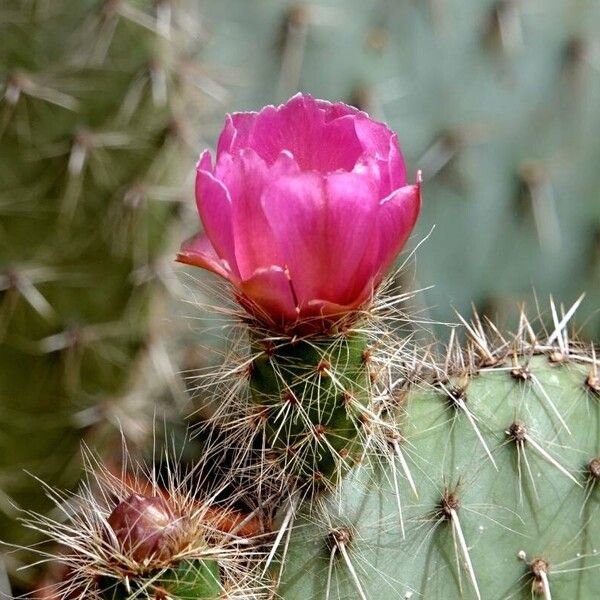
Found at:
<point>543,454</point>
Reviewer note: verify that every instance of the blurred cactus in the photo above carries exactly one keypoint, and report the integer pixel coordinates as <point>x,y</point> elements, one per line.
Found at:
<point>95,143</point>
<point>498,102</point>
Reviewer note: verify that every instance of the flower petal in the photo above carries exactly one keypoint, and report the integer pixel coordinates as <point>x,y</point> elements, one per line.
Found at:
<point>236,132</point>
<point>323,225</point>
<point>335,110</point>
<point>381,143</point>
<point>199,252</point>
<point>245,177</point>
<point>214,206</point>
<point>268,296</point>
<point>396,219</point>
<point>205,162</point>
<point>300,126</point>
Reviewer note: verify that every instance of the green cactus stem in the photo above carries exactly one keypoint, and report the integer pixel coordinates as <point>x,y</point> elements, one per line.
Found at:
<point>94,152</point>
<point>309,393</point>
<point>190,580</point>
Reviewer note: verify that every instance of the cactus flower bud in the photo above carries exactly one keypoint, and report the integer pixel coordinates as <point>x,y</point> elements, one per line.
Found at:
<point>304,210</point>
<point>145,528</point>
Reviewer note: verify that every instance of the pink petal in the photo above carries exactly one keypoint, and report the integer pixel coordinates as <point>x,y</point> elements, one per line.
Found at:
<point>300,126</point>
<point>268,295</point>
<point>396,164</point>
<point>235,133</point>
<point>284,165</point>
<point>245,177</point>
<point>325,308</point>
<point>396,219</point>
<point>381,143</point>
<point>205,162</point>
<point>334,110</point>
<point>199,252</point>
<point>323,227</point>
<point>214,206</point>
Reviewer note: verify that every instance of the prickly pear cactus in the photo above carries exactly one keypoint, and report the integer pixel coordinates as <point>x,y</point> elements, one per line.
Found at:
<point>93,150</point>
<point>491,491</point>
<point>496,100</point>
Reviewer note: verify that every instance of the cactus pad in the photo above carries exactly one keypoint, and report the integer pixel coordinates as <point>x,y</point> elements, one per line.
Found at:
<point>504,498</point>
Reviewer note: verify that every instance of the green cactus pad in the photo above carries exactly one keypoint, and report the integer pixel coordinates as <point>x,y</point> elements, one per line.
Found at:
<point>527,527</point>
<point>306,392</point>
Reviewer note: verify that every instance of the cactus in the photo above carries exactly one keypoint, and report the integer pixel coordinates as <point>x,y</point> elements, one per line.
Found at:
<point>476,478</point>
<point>490,492</point>
<point>496,101</point>
<point>336,415</point>
<point>323,376</point>
<point>94,151</point>
<point>298,408</point>
<point>370,448</point>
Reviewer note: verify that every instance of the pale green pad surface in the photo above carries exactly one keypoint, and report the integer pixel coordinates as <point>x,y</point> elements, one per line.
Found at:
<point>549,518</point>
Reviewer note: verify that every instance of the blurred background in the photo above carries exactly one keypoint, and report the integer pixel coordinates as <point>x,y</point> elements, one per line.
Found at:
<point>105,107</point>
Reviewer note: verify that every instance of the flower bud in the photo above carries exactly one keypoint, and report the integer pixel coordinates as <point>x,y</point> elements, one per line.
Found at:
<point>145,528</point>
<point>304,210</point>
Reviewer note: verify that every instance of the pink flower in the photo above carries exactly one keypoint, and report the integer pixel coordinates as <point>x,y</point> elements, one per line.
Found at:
<point>305,210</point>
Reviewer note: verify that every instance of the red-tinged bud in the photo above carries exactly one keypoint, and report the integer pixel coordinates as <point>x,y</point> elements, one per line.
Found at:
<point>146,528</point>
